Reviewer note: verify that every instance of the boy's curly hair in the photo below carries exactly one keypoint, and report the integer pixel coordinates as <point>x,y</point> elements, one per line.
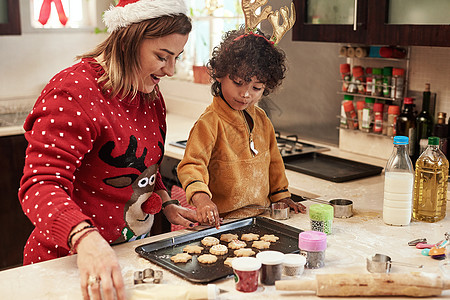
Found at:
<point>245,58</point>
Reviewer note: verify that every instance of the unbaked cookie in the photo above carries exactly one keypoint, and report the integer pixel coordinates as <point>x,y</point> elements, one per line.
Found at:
<point>261,244</point>
<point>228,261</point>
<point>218,249</point>
<point>250,237</point>
<point>181,258</point>
<point>193,249</point>
<point>237,244</point>
<point>210,241</point>
<point>207,259</point>
<point>269,238</point>
<point>228,237</point>
<point>244,252</point>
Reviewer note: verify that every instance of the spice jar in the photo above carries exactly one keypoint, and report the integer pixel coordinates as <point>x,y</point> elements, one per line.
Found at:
<point>293,264</point>
<point>350,114</point>
<point>378,117</point>
<point>377,82</point>
<point>393,112</point>
<point>387,79</point>
<point>312,245</point>
<point>398,81</point>
<point>367,118</point>
<point>346,76</point>
<point>359,109</point>
<point>368,81</point>
<point>359,80</point>
<point>271,266</point>
<point>321,216</point>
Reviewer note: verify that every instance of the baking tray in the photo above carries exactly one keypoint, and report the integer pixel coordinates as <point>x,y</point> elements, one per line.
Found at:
<point>330,167</point>
<point>160,252</point>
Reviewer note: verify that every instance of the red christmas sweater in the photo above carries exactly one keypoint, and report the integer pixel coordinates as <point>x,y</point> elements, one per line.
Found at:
<point>90,158</point>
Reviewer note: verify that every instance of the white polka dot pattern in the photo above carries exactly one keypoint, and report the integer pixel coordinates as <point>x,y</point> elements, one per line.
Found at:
<point>63,180</point>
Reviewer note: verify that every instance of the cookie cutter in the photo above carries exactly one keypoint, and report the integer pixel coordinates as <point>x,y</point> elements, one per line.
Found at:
<point>148,276</point>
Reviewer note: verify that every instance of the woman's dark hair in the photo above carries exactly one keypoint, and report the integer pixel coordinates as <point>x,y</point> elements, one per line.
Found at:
<point>246,57</point>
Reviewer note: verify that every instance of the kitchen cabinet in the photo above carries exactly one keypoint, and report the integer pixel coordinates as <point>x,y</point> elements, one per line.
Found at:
<point>374,22</point>
<point>14,225</point>
<point>9,17</point>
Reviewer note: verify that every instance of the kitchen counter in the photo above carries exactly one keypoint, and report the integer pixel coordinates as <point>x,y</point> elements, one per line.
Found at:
<point>352,240</point>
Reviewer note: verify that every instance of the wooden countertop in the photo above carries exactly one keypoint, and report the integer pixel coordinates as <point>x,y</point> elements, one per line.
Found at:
<point>352,240</point>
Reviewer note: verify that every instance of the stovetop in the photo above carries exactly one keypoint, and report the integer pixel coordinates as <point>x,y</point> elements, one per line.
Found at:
<point>288,145</point>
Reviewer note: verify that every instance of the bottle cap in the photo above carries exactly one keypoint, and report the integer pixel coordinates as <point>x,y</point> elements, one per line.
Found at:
<point>321,212</point>
<point>369,70</point>
<point>427,87</point>
<point>376,71</point>
<point>433,140</point>
<point>370,100</point>
<point>394,110</point>
<point>345,68</point>
<point>348,97</point>
<point>401,140</point>
<point>398,71</point>
<point>312,241</point>
<point>360,105</point>
<point>358,71</point>
<point>408,100</point>
<point>387,71</point>
<point>378,107</point>
<point>348,106</point>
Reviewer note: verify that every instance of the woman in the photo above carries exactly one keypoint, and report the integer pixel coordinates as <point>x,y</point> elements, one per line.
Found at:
<point>96,139</point>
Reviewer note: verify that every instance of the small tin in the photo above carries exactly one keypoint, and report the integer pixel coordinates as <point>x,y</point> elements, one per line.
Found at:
<point>280,211</point>
<point>343,208</point>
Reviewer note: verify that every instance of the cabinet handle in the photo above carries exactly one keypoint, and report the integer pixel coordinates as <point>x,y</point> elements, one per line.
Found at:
<point>355,16</point>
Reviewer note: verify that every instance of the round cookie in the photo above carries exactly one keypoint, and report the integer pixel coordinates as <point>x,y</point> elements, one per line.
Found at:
<point>228,237</point>
<point>237,244</point>
<point>181,258</point>
<point>228,261</point>
<point>210,241</point>
<point>269,238</point>
<point>261,244</point>
<point>218,249</point>
<point>207,259</point>
<point>248,237</point>
<point>193,249</point>
<point>244,252</point>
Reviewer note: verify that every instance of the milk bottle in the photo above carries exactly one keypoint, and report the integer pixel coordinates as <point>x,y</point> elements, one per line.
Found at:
<point>398,185</point>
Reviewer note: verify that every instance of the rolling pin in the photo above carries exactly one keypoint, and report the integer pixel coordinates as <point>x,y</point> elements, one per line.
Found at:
<point>344,285</point>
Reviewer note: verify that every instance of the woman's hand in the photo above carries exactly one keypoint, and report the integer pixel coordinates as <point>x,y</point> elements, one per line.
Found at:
<point>207,212</point>
<point>100,272</point>
<point>296,206</point>
<point>179,215</point>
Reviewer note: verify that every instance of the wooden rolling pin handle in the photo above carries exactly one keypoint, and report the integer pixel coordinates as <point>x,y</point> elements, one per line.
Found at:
<point>296,285</point>
<point>445,284</point>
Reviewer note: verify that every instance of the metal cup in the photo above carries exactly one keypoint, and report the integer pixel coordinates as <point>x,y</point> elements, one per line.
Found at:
<point>279,211</point>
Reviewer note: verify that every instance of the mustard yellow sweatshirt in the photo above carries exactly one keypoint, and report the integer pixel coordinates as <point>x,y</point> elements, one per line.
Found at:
<point>219,160</point>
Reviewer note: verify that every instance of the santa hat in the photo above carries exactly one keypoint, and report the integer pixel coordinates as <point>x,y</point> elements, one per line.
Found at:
<point>133,11</point>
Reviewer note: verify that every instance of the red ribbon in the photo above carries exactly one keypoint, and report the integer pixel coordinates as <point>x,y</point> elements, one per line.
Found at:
<point>46,8</point>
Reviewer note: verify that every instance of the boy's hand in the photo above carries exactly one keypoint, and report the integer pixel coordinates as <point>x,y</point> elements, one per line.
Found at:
<point>296,206</point>
<point>207,212</point>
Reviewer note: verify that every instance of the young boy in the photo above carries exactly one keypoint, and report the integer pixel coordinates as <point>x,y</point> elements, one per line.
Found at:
<point>231,159</point>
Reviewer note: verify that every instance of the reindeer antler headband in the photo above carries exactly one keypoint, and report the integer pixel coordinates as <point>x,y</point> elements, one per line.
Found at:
<point>252,19</point>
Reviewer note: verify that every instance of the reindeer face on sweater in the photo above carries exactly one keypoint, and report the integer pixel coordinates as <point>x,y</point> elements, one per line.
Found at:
<point>143,203</point>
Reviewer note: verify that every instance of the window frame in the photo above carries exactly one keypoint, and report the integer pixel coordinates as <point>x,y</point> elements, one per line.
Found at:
<point>13,26</point>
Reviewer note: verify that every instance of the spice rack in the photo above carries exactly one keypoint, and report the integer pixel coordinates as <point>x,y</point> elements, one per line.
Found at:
<point>371,143</point>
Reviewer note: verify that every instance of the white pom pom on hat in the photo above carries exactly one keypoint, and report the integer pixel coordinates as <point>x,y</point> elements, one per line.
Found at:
<point>133,11</point>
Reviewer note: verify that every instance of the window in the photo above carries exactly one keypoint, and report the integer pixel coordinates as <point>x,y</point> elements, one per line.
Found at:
<point>63,14</point>
<point>210,20</point>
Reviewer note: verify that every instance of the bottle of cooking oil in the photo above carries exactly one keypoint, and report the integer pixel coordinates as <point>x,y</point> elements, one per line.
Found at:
<point>430,184</point>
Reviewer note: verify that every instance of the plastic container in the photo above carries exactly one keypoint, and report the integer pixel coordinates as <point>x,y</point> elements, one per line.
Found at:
<point>359,109</point>
<point>367,117</point>
<point>271,266</point>
<point>378,118</point>
<point>398,185</point>
<point>350,114</point>
<point>321,216</point>
<point>377,82</point>
<point>393,112</point>
<point>369,81</point>
<point>312,245</point>
<point>430,185</point>
<point>246,273</point>
<point>346,76</point>
<point>387,80</point>
<point>293,265</point>
<point>398,82</point>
